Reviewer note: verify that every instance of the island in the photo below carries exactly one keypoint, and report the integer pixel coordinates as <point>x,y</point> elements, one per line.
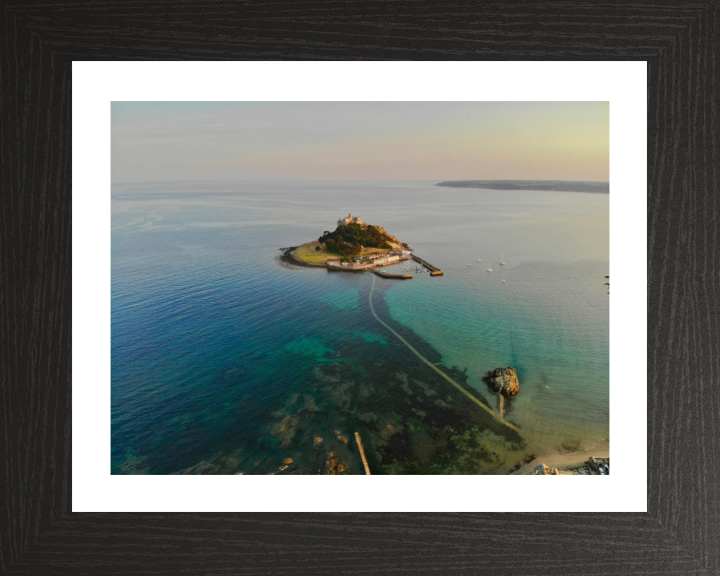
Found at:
<point>355,246</point>
<point>545,185</point>
<point>504,382</point>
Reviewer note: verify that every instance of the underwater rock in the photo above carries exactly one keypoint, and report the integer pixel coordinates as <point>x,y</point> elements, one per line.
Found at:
<point>428,391</point>
<point>287,461</point>
<point>219,464</point>
<point>365,391</point>
<point>478,451</point>
<point>387,431</point>
<point>341,394</point>
<point>134,465</point>
<point>309,405</point>
<point>340,437</point>
<point>404,382</point>
<point>503,380</point>
<point>317,440</point>
<point>328,373</point>
<point>367,417</point>
<point>331,466</point>
<point>334,466</point>
<point>285,430</point>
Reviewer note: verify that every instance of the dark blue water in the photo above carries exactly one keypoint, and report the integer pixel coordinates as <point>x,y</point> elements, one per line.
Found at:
<point>226,359</point>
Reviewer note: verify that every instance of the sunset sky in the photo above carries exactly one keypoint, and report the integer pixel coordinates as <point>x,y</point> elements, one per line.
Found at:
<point>183,141</point>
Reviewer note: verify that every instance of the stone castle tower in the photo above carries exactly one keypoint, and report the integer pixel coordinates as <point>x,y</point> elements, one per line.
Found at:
<point>349,220</point>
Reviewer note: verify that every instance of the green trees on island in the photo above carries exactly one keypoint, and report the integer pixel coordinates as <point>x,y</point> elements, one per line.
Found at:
<point>349,239</point>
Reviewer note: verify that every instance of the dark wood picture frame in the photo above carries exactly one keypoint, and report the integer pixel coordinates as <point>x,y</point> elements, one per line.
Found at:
<point>680,533</point>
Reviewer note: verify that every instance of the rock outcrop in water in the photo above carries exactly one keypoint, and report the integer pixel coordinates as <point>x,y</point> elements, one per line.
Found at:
<point>503,380</point>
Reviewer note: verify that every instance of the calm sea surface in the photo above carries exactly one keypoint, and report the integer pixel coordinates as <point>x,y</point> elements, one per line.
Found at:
<point>227,359</point>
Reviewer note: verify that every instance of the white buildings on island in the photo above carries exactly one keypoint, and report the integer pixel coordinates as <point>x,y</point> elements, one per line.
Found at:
<point>367,261</point>
<point>371,261</point>
<point>350,220</point>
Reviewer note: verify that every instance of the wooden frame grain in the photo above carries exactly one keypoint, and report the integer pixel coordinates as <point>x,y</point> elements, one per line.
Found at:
<point>681,531</point>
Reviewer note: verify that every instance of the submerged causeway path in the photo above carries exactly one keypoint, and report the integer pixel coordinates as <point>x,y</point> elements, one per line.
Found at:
<point>492,412</point>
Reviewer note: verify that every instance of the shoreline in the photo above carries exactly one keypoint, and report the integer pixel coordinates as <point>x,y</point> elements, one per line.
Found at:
<point>289,254</point>
<point>565,461</point>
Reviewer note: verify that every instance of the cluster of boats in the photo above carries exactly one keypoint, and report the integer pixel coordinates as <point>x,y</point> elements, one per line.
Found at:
<point>502,263</point>
<point>415,269</point>
<point>420,269</point>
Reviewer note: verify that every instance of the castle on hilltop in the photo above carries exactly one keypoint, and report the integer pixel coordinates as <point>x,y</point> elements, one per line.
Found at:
<point>350,220</point>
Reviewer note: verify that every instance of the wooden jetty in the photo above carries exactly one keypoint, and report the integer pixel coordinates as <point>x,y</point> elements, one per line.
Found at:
<point>362,454</point>
<point>434,270</point>
<point>388,275</point>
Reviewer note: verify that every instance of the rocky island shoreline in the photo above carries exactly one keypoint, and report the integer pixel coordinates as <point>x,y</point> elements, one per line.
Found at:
<point>352,242</point>
<point>354,246</point>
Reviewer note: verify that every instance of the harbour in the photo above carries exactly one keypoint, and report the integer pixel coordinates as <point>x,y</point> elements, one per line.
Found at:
<point>434,271</point>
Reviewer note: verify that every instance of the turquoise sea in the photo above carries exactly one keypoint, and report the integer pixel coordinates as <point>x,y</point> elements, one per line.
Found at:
<point>227,359</point>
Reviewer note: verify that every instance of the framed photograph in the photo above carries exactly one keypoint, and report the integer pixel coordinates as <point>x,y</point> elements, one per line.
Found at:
<point>260,286</point>
<point>475,370</point>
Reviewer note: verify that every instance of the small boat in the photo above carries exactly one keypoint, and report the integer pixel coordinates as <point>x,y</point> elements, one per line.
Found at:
<point>489,269</point>
<point>469,264</point>
<point>503,278</point>
<point>502,261</point>
<point>479,259</point>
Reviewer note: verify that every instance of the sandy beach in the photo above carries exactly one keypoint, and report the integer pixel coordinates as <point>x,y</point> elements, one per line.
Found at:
<point>566,460</point>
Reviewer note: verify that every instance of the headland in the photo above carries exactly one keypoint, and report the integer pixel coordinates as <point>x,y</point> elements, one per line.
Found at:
<point>544,185</point>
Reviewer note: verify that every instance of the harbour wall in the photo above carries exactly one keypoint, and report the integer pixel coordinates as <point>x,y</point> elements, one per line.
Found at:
<point>434,270</point>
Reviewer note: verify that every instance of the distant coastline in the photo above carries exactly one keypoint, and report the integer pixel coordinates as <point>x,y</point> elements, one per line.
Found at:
<point>546,185</point>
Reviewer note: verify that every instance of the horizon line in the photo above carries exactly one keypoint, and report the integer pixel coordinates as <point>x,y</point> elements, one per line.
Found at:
<point>361,180</point>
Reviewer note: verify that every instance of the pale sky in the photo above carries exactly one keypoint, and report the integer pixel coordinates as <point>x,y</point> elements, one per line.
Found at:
<point>183,141</point>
